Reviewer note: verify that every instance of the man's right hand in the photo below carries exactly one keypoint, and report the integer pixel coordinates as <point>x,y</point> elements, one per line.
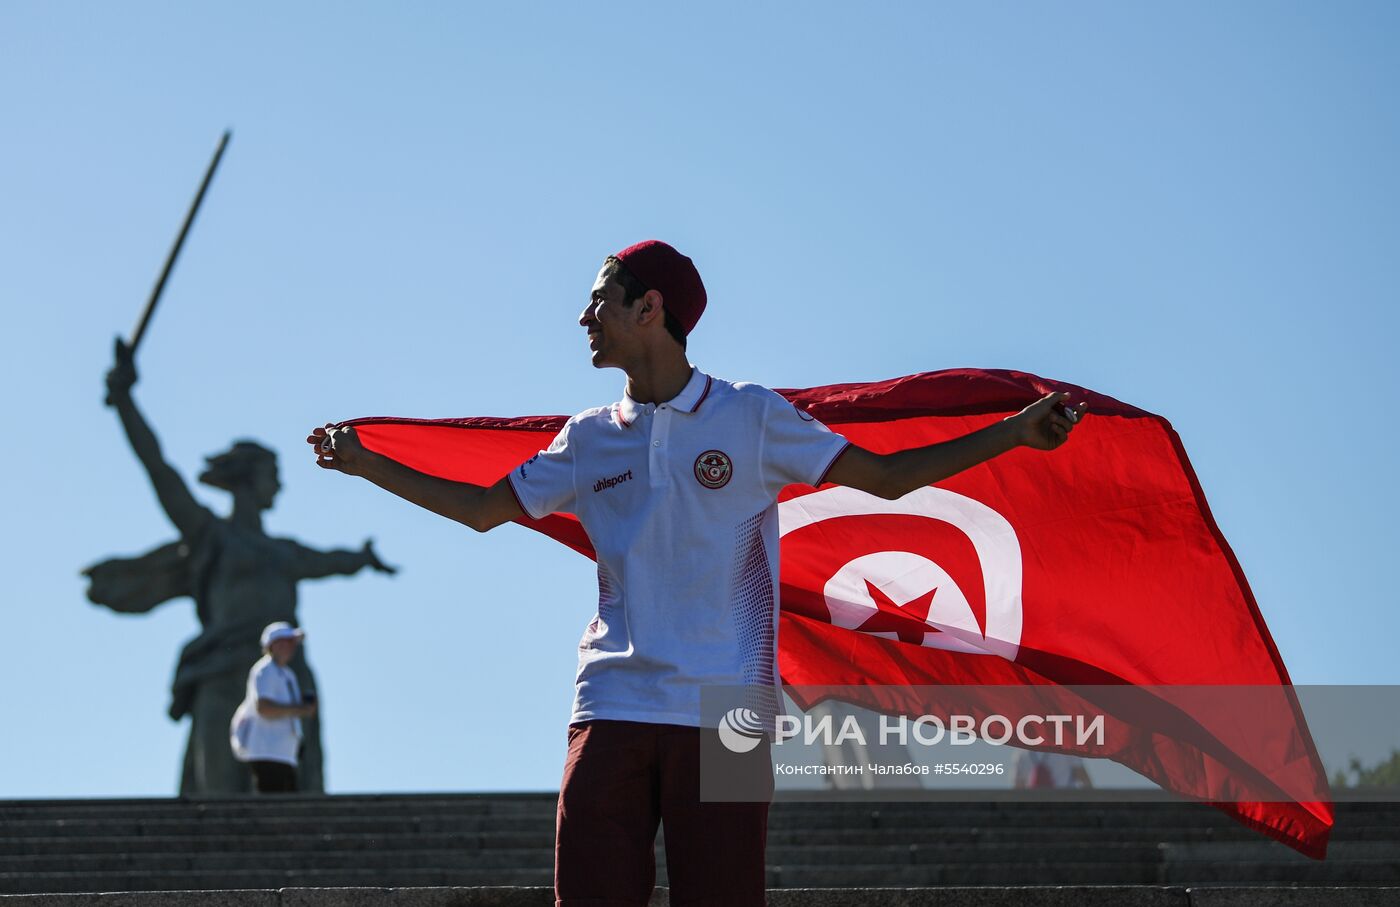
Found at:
<point>122,375</point>
<point>338,448</point>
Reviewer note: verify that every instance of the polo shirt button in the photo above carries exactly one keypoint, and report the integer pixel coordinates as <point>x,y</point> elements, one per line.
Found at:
<point>655,443</point>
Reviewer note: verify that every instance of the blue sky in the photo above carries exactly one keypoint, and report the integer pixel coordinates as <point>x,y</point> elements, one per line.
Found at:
<point>1191,207</point>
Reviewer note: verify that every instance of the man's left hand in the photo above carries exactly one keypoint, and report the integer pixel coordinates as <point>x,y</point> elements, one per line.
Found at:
<point>1047,422</point>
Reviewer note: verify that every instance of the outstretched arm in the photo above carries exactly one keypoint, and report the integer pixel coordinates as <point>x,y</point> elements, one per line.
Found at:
<point>184,511</point>
<point>1044,425</point>
<point>471,505</point>
<point>309,563</point>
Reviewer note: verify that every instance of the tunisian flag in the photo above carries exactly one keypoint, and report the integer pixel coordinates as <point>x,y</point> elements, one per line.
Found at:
<point>1096,567</point>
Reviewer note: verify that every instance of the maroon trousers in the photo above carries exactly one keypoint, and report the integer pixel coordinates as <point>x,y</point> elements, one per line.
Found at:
<point>622,778</point>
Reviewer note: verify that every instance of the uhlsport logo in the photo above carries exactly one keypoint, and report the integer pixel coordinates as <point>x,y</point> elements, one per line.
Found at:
<point>740,730</point>
<point>713,469</point>
<point>883,588</point>
<point>612,481</point>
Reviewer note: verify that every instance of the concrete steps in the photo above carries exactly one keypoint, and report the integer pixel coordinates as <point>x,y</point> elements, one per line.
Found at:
<point>1380,856</point>
<point>480,842</point>
<point>1006,896</point>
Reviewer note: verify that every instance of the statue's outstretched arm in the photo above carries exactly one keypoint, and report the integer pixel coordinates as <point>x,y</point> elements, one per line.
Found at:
<point>308,563</point>
<point>188,515</point>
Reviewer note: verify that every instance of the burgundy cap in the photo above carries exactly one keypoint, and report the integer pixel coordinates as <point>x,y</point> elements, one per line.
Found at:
<point>672,275</point>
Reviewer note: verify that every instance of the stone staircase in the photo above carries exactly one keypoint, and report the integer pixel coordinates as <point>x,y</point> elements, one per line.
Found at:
<point>500,847</point>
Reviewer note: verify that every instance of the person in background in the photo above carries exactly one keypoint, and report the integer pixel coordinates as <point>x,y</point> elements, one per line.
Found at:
<point>1039,770</point>
<point>266,730</point>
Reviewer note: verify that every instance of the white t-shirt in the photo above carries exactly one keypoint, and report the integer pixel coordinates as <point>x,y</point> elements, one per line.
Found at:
<point>258,739</point>
<point>679,500</point>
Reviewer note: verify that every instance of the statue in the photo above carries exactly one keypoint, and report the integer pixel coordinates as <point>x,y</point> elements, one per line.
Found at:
<point>241,580</point>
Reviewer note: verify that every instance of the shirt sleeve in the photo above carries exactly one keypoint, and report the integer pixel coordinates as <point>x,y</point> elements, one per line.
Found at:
<point>544,484</point>
<point>797,449</point>
<point>269,685</point>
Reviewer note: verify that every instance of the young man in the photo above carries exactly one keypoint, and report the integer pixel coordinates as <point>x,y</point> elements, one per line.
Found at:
<point>676,485</point>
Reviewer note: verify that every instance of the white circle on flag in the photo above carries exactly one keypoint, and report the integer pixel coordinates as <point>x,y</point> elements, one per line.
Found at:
<point>904,576</point>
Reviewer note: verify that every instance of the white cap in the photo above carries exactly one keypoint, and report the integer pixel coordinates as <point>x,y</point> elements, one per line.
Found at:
<point>280,630</point>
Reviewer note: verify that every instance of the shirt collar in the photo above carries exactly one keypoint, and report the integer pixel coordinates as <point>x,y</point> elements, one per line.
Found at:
<point>687,401</point>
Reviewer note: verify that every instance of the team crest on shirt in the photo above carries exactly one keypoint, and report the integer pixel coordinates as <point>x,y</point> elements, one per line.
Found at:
<point>713,469</point>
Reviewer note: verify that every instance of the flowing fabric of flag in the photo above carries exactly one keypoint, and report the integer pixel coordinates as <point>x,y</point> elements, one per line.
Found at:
<point>1096,566</point>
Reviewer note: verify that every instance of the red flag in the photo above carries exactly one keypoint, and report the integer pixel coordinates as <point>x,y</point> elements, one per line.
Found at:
<point>1096,564</point>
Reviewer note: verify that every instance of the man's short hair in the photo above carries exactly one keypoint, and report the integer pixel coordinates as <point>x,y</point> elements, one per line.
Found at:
<point>633,289</point>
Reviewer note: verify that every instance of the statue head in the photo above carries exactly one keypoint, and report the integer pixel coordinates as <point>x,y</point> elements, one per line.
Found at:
<point>246,467</point>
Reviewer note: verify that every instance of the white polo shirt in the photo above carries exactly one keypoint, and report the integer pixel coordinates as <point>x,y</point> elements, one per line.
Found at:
<point>679,500</point>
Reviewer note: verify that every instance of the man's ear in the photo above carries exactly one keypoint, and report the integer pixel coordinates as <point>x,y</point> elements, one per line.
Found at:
<point>649,307</point>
